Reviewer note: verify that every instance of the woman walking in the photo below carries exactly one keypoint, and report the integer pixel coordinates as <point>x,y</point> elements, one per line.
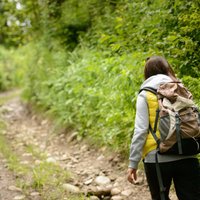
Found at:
<point>183,170</point>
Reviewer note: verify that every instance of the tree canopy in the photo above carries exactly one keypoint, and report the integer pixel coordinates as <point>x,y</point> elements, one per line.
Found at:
<point>171,27</point>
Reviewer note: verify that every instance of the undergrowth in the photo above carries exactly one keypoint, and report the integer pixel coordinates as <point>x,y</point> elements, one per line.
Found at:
<point>83,62</point>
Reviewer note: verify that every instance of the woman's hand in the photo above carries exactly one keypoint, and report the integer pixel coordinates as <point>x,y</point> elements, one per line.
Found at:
<point>132,175</point>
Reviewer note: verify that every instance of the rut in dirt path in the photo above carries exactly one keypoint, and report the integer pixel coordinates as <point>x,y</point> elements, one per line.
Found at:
<point>97,173</point>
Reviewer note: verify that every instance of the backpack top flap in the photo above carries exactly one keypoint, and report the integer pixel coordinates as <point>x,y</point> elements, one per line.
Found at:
<point>172,90</point>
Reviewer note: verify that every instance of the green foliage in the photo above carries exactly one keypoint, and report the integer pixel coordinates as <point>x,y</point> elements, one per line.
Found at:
<point>84,64</point>
<point>14,23</point>
<point>194,86</point>
<point>75,20</point>
<point>48,174</point>
<point>171,28</point>
<point>184,39</point>
<point>93,93</point>
<point>12,68</point>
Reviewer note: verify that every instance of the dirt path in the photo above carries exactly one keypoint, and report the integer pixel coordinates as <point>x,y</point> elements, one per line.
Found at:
<point>96,172</point>
<point>8,191</point>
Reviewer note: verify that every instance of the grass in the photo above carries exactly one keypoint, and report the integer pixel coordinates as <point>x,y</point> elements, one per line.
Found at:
<point>7,152</point>
<point>35,152</point>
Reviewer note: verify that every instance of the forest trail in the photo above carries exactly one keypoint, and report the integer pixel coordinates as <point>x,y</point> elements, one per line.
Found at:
<point>97,172</point>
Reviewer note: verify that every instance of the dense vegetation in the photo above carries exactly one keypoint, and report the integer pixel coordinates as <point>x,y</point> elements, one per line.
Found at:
<point>82,61</point>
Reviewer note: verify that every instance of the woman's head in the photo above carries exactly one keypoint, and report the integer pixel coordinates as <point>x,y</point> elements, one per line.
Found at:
<point>157,65</point>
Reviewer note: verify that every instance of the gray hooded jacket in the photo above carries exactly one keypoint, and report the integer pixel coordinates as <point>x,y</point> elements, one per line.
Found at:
<point>141,128</point>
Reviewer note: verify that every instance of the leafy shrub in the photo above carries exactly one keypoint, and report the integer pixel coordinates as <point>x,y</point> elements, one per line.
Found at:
<point>93,93</point>
<point>194,86</point>
<point>85,61</point>
<point>12,68</point>
<point>171,28</point>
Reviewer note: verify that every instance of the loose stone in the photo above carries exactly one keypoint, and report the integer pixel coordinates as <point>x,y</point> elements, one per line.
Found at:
<point>127,192</point>
<point>71,188</point>
<point>94,198</point>
<point>35,194</point>
<point>117,198</point>
<point>19,197</point>
<point>115,191</point>
<point>102,180</point>
<point>14,188</point>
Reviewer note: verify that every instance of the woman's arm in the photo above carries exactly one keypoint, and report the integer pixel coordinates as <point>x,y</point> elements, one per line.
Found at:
<point>140,130</point>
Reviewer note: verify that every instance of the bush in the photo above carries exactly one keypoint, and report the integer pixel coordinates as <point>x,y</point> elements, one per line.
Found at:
<point>12,68</point>
<point>93,93</point>
<point>85,62</point>
<point>194,86</point>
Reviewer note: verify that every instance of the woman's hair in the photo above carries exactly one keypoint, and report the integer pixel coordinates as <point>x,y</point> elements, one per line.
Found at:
<point>158,65</point>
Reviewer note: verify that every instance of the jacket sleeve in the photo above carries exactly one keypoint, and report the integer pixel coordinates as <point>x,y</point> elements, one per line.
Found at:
<point>140,130</point>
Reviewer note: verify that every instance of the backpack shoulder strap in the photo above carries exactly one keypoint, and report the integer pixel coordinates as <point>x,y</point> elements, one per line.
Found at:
<point>153,129</point>
<point>150,89</point>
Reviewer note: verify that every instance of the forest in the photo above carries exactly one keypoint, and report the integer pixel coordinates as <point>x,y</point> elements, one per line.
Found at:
<point>81,62</point>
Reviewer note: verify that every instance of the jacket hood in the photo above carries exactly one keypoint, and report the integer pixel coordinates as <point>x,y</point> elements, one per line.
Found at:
<point>155,81</point>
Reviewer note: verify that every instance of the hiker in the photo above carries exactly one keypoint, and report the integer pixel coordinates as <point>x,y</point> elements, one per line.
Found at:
<point>184,170</point>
